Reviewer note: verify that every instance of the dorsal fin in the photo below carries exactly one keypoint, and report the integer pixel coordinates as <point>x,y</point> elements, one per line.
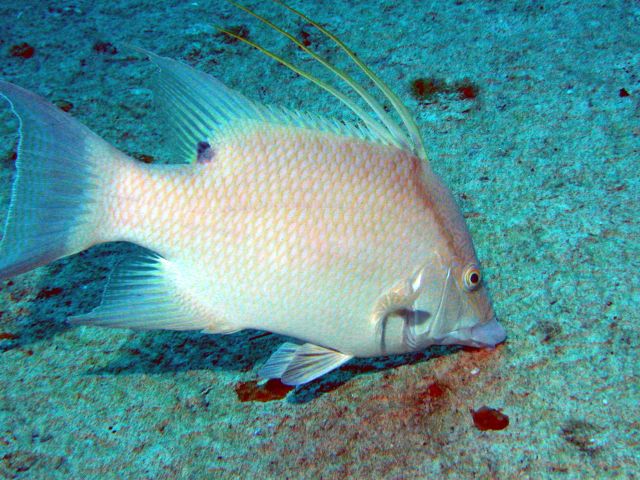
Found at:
<point>197,105</point>
<point>198,108</point>
<point>394,133</point>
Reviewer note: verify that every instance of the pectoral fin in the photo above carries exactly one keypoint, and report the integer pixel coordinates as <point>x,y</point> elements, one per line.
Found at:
<point>401,297</point>
<point>298,364</point>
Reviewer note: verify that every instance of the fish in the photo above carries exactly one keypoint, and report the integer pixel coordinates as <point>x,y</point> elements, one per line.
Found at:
<point>338,235</point>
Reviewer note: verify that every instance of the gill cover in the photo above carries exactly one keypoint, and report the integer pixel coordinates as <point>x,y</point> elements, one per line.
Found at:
<point>446,312</point>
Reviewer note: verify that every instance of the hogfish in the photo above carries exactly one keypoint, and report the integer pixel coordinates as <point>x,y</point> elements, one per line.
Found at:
<point>338,235</point>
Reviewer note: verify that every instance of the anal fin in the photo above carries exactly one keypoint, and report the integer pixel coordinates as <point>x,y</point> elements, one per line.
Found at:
<point>299,364</point>
<point>147,292</point>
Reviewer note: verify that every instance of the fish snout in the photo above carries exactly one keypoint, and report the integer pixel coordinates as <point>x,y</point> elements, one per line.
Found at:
<point>488,334</point>
<point>482,335</point>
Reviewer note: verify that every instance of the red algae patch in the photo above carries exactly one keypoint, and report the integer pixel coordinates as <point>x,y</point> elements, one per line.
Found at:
<point>435,390</point>
<point>250,391</point>
<point>63,105</point>
<point>467,91</point>
<point>487,418</point>
<point>48,293</point>
<point>22,50</point>
<point>426,89</point>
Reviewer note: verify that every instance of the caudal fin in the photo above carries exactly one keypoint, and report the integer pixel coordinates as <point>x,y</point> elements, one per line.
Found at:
<point>52,212</point>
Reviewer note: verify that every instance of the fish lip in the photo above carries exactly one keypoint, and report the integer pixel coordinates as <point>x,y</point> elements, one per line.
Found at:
<point>485,335</point>
<point>488,334</point>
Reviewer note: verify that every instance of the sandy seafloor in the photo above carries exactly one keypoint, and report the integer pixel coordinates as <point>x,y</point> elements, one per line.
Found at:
<point>544,162</point>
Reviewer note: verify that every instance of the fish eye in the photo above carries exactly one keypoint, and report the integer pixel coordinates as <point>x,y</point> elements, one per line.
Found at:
<point>471,278</point>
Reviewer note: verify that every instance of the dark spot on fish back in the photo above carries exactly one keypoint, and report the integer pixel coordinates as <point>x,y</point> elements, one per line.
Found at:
<point>143,157</point>
<point>205,152</point>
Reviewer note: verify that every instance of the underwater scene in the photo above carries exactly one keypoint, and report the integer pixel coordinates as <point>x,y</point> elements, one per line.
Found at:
<point>329,240</point>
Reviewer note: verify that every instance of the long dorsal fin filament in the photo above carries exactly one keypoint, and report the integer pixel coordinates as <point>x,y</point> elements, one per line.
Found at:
<point>391,130</point>
<point>405,115</point>
<point>364,116</point>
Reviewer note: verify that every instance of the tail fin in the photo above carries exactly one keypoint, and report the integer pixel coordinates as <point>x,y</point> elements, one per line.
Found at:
<point>53,201</point>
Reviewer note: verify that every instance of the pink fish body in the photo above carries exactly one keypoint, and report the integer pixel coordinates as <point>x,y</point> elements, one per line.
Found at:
<point>339,236</point>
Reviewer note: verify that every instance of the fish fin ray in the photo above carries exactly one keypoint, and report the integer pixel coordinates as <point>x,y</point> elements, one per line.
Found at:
<point>198,108</point>
<point>279,361</point>
<point>196,105</point>
<point>143,293</point>
<point>398,105</point>
<point>384,127</point>
<point>60,167</point>
<point>391,132</point>
<point>299,364</point>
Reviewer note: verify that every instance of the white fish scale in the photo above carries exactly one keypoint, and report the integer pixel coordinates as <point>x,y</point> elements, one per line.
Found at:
<point>286,229</point>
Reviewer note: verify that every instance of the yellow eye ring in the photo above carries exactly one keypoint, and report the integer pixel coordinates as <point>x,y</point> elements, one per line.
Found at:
<point>471,278</point>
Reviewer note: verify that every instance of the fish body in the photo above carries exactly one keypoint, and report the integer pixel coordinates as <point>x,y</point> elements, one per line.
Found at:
<point>335,235</point>
<point>300,234</point>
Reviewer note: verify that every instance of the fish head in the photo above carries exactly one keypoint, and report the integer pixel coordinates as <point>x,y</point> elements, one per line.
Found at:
<point>452,306</point>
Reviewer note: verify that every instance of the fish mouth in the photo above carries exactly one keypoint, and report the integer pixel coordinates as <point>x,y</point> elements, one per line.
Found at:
<point>488,334</point>
<point>484,335</point>
<point>459,317</point>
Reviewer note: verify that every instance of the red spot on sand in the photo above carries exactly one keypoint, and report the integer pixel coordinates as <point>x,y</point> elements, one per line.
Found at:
<point>250,391</point>
<point>306,38</point>
<point>7,336</point>
<point>623,92</point>
<point>486,418</point>
<point>467,92</point>
<point>22,50</point>
<point>48,293</point>
<point>10,157</point>
<point>435,390</point>
<point>466,348</point>
<point>17,296</point>
<point>424,88</point>
<point>105,47</point>
<point>239,30</point>
<point>64,105</point>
